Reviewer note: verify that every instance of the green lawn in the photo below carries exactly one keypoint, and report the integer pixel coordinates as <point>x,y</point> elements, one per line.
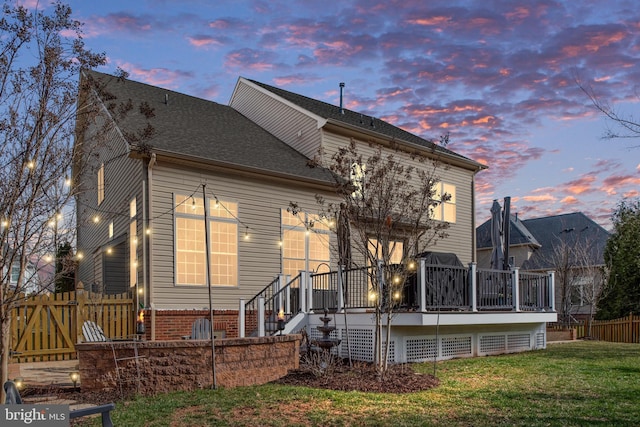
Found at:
<point>574,384</point>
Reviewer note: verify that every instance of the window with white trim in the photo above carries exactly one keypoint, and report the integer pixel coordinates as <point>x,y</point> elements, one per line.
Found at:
<point>395,248</point>
<point>190,242</point>
<point>445,210</point>
<point>305,243</point>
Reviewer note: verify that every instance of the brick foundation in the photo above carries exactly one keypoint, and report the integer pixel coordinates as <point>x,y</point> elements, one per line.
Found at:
<point>164,366</point>
<point>174,324</point>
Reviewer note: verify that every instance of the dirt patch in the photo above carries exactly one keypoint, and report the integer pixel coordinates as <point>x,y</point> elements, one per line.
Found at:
<point>363,377</point>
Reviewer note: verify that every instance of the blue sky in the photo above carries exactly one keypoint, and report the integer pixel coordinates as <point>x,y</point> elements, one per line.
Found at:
<point>498,76</point>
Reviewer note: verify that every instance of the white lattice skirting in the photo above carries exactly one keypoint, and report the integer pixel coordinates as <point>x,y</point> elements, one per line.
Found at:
<point>410,345</point>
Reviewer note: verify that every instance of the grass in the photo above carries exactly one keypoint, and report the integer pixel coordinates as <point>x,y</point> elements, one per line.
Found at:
<point>574,384</point>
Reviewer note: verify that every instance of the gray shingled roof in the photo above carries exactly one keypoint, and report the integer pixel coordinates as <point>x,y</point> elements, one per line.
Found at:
<point>549,232</point>
<point>190,126</point>
<point>353,118</point>
<point>518,233</point>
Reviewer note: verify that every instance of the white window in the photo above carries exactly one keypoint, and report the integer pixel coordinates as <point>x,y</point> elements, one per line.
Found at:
<point>190,242</point>
<point>101,184</point>
<point>446,209</point>
<point>305,243</point>
<point>395,250</point>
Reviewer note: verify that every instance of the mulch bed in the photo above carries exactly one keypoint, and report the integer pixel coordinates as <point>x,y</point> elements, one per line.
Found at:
<point>363,377</point>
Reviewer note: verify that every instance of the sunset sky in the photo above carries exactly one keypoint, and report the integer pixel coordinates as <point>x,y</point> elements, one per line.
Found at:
<point>498,76</point>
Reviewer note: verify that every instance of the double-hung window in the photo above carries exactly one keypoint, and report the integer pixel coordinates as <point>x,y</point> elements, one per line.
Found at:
<point>305,243</point>
<point>190,241</point>
<point>446,208</point>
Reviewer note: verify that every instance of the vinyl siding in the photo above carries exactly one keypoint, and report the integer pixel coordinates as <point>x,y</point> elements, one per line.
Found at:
<point>461,232</point>
<point>295,128</point>
<point>259,204</point>
<point>123,180</point>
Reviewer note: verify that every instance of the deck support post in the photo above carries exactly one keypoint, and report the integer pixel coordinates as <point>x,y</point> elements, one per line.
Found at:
<point>473,286</point>
<point>261,318</point>
<point>340,298</point>
<point>552,291</point>
<point>241,314</point>
<point>302,292</point>
<point>307,282</point>
<point>515,277</point>
<point>422,285</point>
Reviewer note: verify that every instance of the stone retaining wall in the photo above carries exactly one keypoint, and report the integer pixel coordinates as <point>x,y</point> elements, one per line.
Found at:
<point>150,367</point>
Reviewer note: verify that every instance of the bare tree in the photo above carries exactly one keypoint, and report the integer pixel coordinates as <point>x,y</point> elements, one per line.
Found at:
<point>579,273</point>
<point>625,126</point>
<point>387,196</point>
<point>41,55</point>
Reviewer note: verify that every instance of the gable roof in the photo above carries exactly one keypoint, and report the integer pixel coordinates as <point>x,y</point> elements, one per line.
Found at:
<point>548,232</point>
<point>202,130</point>
<point>365,123</point>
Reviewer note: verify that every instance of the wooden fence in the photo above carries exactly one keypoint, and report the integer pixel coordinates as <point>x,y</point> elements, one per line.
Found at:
<point>625,329</point>
<point>47,327</point>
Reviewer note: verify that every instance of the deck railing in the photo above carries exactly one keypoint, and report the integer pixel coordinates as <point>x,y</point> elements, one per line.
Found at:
<point>430,287</point>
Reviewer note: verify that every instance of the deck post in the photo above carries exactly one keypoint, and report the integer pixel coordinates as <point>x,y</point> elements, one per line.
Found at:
<point>302,289</point>
<point>340,290</point>
<point>473,285</point>
<point>261,332</point>
<point>422,285</point>
<point>241,314</point>
<point>287,293</point>
<point>515,277</point>
<point>277,285</point>
<point>552,291</point>
<point>306,279</point>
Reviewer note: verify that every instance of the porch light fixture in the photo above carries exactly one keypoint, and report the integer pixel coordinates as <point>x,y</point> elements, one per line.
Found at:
<point>96,219</point>
<point>281,321</point>
<point>140,329</point>
<point>74,377</point>
<point>19,382</point>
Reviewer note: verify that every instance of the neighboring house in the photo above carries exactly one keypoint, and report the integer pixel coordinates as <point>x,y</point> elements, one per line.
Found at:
<point>29,283</point>
<point>141,214</point>
<point>571,244</point>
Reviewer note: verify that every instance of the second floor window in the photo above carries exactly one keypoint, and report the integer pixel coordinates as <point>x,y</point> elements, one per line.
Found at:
<point>446,208</point>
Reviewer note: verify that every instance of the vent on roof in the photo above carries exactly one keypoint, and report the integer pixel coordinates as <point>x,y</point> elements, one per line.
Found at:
<point>166,99</point>
<point>341,88</point>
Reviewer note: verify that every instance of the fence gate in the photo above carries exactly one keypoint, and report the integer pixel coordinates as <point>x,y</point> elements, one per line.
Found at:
<point>47,327</point>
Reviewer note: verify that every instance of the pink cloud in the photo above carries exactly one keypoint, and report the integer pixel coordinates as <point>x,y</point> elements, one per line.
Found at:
<point>162,77</point>
<point>204,41</point>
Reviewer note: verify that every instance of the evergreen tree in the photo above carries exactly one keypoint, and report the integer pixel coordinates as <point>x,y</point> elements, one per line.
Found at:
<point>622,257</point>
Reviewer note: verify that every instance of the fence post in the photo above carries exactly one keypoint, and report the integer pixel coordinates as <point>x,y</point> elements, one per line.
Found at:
<point>473,285</point>
<point>515,277</point>
<point>261,332</point>
<point>81,301</point>
<point>241,314</point>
